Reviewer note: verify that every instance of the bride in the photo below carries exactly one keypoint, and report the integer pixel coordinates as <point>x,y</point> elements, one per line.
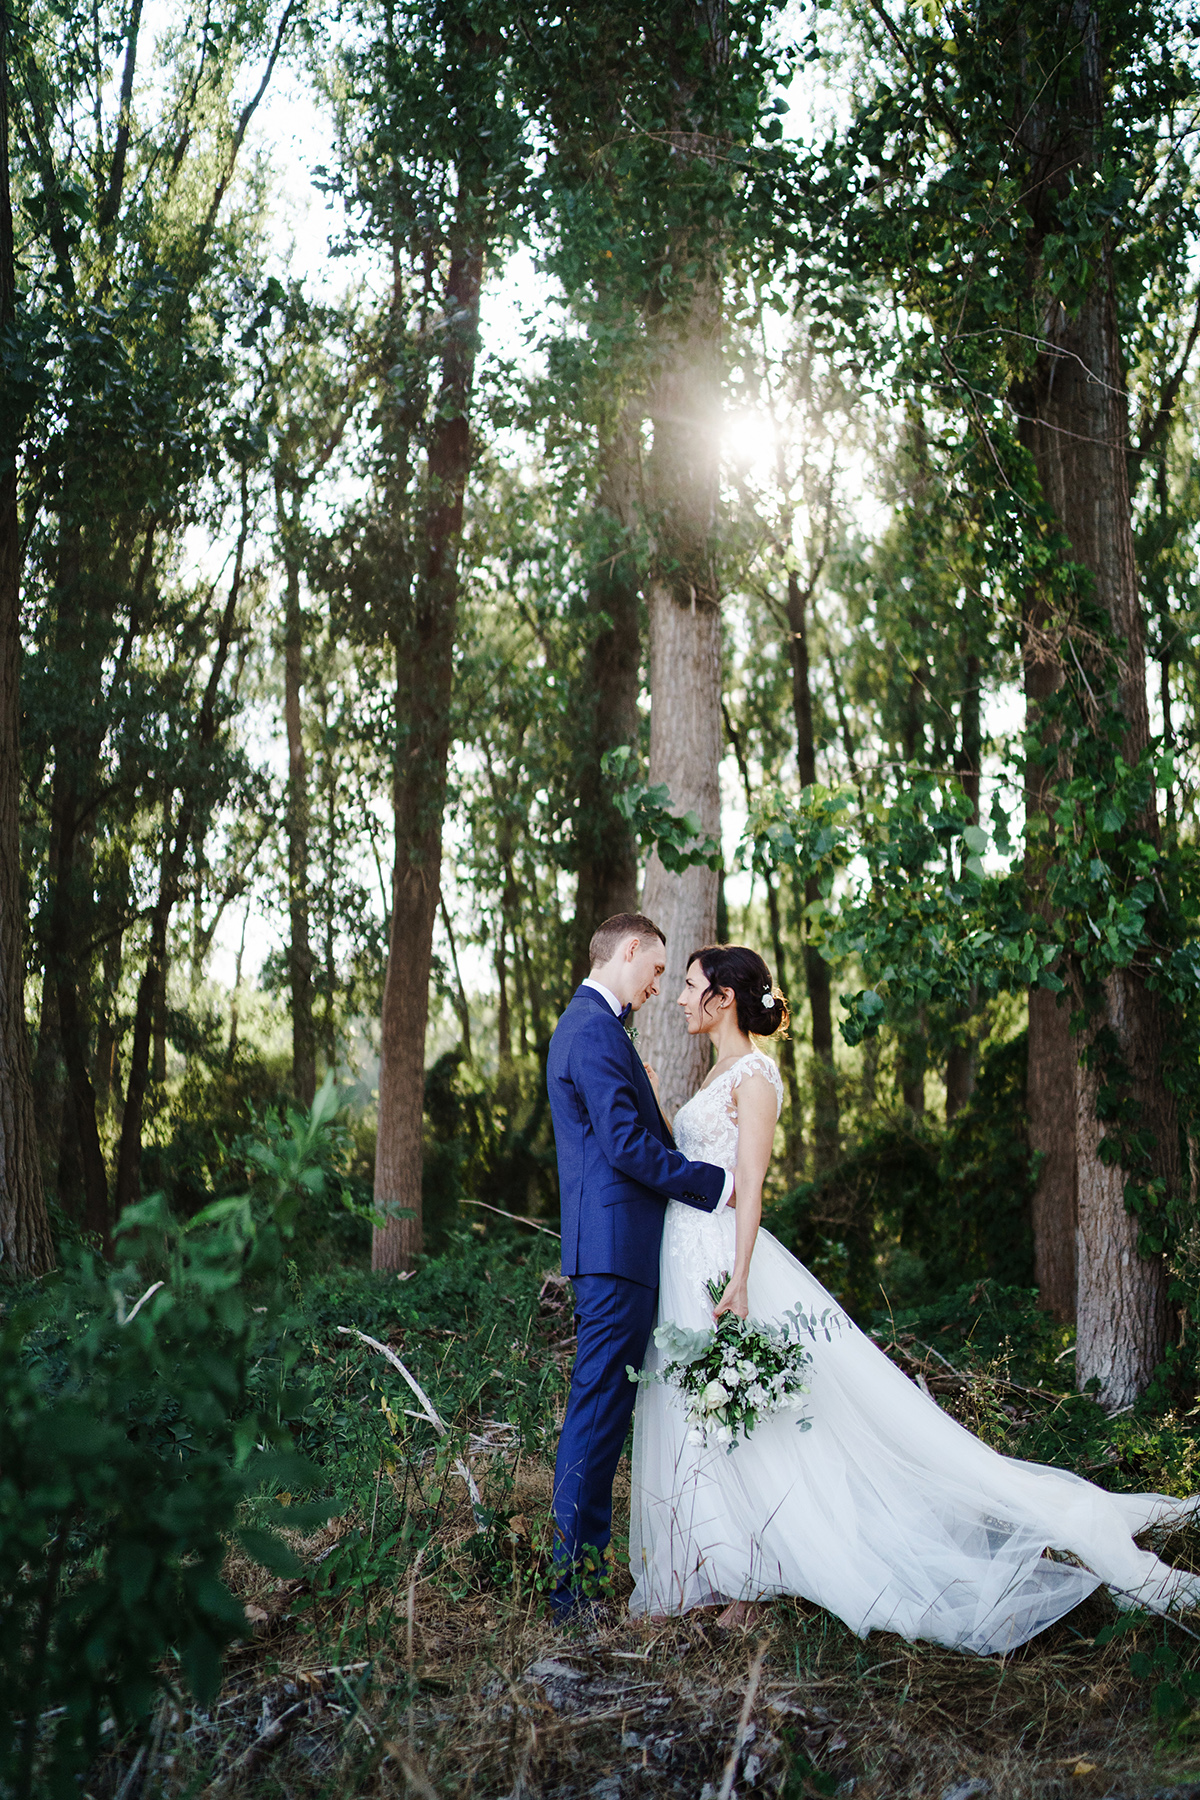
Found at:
<point>886,1511</point>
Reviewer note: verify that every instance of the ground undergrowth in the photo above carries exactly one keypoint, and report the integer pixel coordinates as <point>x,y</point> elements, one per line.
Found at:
<point>408,1651</point>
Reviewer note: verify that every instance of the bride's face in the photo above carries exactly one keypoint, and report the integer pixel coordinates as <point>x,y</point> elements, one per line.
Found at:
<point>701,1006</point>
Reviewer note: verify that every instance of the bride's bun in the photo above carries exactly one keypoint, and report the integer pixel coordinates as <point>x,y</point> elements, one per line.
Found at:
<point>761,1008</point>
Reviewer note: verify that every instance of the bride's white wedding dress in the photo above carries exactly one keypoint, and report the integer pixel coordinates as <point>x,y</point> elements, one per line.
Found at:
<point>886,1511</point>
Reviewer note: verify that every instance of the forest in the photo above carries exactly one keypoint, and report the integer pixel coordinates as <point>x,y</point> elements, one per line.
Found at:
<point>467,470</point>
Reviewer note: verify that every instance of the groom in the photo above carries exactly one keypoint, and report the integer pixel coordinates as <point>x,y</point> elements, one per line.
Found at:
<point>617,1168</point>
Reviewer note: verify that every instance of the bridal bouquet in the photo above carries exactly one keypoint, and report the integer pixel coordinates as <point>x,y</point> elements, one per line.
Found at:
<point>733,1374</point>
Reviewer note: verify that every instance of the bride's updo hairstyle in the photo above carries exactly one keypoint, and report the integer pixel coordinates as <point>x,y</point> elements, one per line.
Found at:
<point>761,1008</point>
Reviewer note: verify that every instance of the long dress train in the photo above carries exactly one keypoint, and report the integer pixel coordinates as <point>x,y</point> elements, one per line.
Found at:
<point>886,1510</point>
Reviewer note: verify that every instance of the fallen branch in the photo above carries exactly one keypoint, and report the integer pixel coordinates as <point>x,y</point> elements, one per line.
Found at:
<point>515,1217</point>
<point>266,1741</point>
<point>956,1380</point>
<point>124,1318</point>
<point>739,1736</point>
<point>428,1412</point>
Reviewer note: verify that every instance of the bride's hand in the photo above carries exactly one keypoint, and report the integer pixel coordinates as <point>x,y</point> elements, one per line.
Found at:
<point>652,1078</point>
<point>733,1300</point>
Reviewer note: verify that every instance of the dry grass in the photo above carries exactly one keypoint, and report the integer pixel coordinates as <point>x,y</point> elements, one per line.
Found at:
<point>475,1693</point>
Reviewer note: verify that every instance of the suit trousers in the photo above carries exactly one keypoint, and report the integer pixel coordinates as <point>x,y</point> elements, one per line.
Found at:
<point>613,1320</point>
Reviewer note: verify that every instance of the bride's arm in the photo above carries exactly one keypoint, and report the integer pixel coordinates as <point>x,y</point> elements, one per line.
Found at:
<point>757,1111</point>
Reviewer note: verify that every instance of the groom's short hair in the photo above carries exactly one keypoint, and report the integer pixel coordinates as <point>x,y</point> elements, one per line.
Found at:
<point>613,932</point>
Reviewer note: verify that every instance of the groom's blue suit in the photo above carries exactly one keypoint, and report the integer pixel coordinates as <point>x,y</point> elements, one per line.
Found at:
<point>617,1168</point>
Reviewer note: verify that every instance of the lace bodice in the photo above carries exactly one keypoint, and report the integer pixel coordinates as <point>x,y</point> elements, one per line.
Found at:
<point>706,1125</point>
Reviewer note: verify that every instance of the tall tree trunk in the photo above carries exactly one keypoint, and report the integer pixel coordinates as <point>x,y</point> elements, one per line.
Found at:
<point>913,1043</point>
<point>685,660</point>
<point>158,1060</point>
<point>683,592</point>
<point>533,989</point>
<point>464,1010</point>
<point>607,850</point>
<point>329,778</point>
<point>49,1076</point>
<point>108,1032</point>
<point>177,837</point>
<point>26,1246</point>
<point>70,903</point>
<point>826,1120</point>
<point>300,956</point>
<point>503,1010</point>
<point>424,672</point>
<point>1078,438</point>
<point>960,1061</point>
<point>793,1156</point>
<point>1050,1098</point>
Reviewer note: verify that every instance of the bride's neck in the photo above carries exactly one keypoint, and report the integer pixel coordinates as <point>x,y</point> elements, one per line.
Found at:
<point>729,1040</point>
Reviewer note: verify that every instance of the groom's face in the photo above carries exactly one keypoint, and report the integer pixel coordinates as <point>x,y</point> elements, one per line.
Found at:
<point>646,969</point>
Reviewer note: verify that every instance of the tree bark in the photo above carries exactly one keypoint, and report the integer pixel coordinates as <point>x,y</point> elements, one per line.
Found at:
<point>793,1154</point>
<point>108,1032</point>
<point>607,851</point>
<point>300,956</point>
<point>26,1245</point>
<point>685,662</point>
<point>1122,1296</point>
<point>960,1061</point>
<point>71,901</point>
<point>683,592</point>
<point>1052,1102</point>
<point>424,672</point>
<point>826,1120</point>
<point>685,748</point>
<point>1050,1095</point>
<point>1078,436</point>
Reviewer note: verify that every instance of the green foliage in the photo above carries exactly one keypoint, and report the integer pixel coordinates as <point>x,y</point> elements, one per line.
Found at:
<point>132,1431</point>
<point>487,1138</point>
<point>469,1326</point>
<point>679,838</point>
<point>925,922</point>
<point>981,1224</point>
<point>1170,1671</point>
<point>915,1209</point>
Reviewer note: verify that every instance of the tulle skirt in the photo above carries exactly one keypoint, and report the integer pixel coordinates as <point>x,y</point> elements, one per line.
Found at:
<point>886,1510</point>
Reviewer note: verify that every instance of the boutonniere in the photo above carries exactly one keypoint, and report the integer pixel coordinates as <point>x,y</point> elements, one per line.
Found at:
<point>632,1031</point>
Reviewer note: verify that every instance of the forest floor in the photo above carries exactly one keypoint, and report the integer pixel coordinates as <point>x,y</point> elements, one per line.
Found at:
<point>484,1697</point>
<point>420,1662</point>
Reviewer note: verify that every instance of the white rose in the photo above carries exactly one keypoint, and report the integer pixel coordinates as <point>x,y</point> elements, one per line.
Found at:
<point>724,1435</point>
<point>714,1396</point>
<point>747,1370</point>
<point>694,1436</point>
<point>731,1377</point>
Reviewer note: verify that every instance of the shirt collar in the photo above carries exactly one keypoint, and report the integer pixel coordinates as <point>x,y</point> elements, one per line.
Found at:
<point>608,994</point>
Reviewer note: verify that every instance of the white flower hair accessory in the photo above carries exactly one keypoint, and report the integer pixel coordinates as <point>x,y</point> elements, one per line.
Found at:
<point>768,999</point>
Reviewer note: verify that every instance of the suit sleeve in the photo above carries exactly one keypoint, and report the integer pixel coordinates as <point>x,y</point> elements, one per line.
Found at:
<point>602,1081</point>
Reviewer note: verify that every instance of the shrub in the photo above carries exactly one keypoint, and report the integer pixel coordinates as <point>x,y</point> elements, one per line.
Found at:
<point>131,1431</point>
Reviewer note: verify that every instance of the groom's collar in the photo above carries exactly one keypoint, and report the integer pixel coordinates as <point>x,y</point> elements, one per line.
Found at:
<point>599,995</point>
<point>606,994</point>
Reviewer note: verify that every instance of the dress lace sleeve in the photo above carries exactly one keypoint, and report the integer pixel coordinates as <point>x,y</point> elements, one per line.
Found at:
<point>757,1063</point>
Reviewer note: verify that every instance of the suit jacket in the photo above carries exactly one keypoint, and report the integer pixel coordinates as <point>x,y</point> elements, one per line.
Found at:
<point>617,1165</point>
